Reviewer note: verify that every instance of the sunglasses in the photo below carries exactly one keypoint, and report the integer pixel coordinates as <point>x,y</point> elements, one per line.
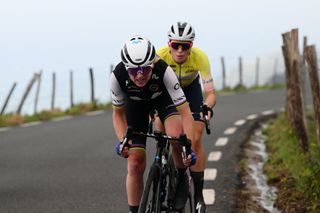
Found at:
<point>142,70</point>
<point>177,45</point>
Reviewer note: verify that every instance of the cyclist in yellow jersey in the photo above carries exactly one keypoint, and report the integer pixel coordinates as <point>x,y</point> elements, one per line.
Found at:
<point>190,65</point>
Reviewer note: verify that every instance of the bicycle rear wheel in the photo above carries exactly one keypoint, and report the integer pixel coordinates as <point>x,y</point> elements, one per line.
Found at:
<point>189,207</point>
<point>150,202</point>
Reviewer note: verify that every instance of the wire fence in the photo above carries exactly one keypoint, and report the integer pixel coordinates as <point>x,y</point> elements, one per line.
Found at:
<point>56,90</point>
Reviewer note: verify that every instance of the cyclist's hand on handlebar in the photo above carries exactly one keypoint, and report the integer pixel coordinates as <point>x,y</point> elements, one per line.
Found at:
<point>122,151</point>
<point>190,160</point>
<point>206,112</point>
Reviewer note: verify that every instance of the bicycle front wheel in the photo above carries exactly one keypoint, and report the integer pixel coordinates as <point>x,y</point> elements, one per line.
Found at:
<point>150,202</point>
<point>189,207</point>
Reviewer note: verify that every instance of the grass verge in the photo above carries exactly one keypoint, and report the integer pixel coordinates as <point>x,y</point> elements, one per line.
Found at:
<point>295,174</point>
<point>78,109</point>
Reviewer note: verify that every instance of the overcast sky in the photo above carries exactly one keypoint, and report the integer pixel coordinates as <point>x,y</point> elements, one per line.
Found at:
<point>60,35</point>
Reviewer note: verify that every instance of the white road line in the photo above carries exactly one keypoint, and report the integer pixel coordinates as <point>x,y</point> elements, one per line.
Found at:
<point>61,118</point>
<point>214,156</point>
<point>240,122</point>
<point>4,129</point>
<point>268,112</point>
<point>222,141</point>
<point>209,196</point>
<point>31,124</point>
<point>210,174</point>
<point>230,130</point>
<point>251,117</point>
<point>94,113</point>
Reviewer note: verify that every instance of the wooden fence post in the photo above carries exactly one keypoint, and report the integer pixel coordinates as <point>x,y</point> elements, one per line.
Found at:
<point>257,71</point>
<point>286,52</point>
<point>26,93</point>
<point>92,85</point>
<point>53,94</point>
<point>303,72</point>
<point>311,58</point>
<point>295,102</point>
<point>223,73</point>
<point>71,89</point>
<point>8,98</point>
<point>37,92</point>
<point>275,72</point>
<point>240,72</point>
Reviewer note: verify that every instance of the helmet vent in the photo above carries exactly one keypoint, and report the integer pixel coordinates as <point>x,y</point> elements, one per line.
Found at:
<point>137,51</point>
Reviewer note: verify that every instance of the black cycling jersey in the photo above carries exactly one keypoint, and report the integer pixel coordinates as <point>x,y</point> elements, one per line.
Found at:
<point>162,92</point>
<point>163,78</point>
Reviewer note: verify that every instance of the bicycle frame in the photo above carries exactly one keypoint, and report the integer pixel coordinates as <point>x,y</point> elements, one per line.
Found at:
<point>161,171</point>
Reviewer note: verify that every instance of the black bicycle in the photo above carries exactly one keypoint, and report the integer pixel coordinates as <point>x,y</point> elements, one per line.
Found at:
<point>159,191</point>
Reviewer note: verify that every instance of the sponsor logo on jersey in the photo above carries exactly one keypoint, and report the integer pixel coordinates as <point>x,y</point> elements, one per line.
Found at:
<point>176,86</point>
<point>118,101</point>
<point>191,70</point>
<point>154,87</point>
<point>156,94</point>
<point>113,93</point>
<point>131,86</point>
<point>154,76</point>
<point>180,99</point>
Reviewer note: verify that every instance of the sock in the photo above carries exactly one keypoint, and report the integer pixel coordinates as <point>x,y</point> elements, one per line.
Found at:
<point>133,209</point>
<point>197,178</point>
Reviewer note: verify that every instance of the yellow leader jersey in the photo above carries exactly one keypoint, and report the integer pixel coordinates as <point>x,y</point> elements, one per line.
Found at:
<point>197,62</point>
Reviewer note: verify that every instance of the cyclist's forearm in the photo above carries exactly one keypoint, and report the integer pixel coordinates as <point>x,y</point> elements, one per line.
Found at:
<point>119,123</point>
<point>210,98</point>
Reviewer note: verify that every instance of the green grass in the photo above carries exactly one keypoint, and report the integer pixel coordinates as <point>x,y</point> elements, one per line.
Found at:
<point>297,175</point>
<point>240,88</point>
<point>78,109</point>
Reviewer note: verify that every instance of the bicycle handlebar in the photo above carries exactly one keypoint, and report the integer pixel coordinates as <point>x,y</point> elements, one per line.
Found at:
<point>159,136</point>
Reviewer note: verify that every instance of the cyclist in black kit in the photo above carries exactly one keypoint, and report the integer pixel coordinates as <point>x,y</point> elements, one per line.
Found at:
<point>140,83</point>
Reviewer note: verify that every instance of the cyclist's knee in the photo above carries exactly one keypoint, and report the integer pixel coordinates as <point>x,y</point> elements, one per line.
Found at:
<point>136,169</point>
<point>136,165</point>
<point>173,126</point>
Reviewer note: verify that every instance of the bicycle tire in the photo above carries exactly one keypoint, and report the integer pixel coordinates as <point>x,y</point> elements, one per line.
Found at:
<point>189,207</point>
<point>171,185</point>
<point>150,201</point>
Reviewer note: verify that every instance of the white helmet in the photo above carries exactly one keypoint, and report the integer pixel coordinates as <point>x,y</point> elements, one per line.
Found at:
<point>137,52</point>
<point>181,31</point>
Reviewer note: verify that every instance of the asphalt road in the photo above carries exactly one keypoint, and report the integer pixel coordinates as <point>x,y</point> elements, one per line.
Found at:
<point>71,166</point>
